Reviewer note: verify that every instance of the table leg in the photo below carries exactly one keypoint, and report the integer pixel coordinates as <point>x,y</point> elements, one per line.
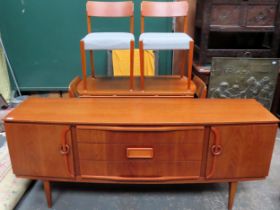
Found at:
<point>48,193</point>
<point>232,191</point>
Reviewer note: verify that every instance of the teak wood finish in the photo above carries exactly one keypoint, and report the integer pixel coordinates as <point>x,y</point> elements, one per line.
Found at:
<point>201,88</point>
<point>107,9</point>
<point>166,9</point>
<point>140,140</point>
<point>160,86</point>
<point>164,86</point>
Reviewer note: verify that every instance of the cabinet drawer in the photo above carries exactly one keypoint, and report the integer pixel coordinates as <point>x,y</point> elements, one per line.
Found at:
<point>226,15</point>
<point>140,151</point>
<point>140,168</point>
<point>140,135</point>
<point>261,15</point>
<point>157,152</point>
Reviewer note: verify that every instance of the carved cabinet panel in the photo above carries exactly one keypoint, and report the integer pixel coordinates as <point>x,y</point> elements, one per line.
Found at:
<point>243,15</point>
<point>236,28</point>
<point>261,15</point>
<point>226,15</point>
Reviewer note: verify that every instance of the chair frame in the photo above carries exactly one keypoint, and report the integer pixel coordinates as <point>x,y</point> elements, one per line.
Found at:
<point>166,9</point>
<point>107,9</point>
<point>201,88</point>
<point>72,88</point>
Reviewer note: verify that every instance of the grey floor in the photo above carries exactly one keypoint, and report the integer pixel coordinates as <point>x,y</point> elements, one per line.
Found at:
<point>257,195</point>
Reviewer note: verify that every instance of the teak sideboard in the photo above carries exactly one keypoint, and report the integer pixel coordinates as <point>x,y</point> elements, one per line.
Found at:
<point>141,140</point>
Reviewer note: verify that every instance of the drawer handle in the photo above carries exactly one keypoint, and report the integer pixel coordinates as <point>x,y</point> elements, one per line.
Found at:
<point>139,153</point>
<point>247,54</point>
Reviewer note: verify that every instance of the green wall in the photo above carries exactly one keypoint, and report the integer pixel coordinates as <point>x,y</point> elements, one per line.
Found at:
<point>42,40</point>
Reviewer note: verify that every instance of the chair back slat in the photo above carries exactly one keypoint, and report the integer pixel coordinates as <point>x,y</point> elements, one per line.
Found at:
<point>164,9</point>
<point>110,9</point>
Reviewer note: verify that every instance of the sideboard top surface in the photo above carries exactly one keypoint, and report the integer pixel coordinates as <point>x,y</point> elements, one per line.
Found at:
<point>141,111</point>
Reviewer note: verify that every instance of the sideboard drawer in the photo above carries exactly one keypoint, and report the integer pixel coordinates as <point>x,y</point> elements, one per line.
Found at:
<point>140,168</point>
<point>158,152</point>
<point>140,135</point>
<point>140,151</point>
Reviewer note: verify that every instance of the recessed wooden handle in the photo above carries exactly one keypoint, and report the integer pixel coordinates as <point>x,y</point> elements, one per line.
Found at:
<point>140,179</point>
<point>216,150</point>
<point>65,150</point>
<point>141,128</point>
<point>140,153</point>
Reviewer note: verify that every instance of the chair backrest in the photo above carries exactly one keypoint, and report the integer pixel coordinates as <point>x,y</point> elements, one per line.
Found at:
<point>164,9</point>
<point>201,88</point>
<point>110,9</point>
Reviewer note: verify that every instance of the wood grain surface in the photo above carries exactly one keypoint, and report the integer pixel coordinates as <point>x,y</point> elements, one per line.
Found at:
<point>141,111</point>
<point>246,151</point>
<point>35,150</point>
<point>118,86</point>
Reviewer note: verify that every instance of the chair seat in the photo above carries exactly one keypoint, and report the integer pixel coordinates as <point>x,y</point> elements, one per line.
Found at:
<point>165,41</point>
<point>108,40</point>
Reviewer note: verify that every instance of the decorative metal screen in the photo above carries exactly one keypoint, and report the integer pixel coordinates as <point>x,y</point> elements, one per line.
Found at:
<point>244,78</point>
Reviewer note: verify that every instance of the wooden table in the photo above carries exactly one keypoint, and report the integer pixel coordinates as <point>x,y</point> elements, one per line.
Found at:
<point>163,86</point>
<point>141,140</point>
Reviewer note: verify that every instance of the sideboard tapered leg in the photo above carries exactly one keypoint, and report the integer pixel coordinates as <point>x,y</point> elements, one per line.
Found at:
<point>231,195</point>
<point>48,193</point>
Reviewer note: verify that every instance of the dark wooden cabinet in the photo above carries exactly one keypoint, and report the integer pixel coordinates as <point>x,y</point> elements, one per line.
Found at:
<point>276,101</point>
<point>236,28</point>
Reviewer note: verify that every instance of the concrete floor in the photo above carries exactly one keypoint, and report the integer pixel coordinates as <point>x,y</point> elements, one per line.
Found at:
<point>257,195</point>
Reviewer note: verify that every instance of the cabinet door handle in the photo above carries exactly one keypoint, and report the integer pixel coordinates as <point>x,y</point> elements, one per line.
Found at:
<point>65,150</point>
<point>216,150</point>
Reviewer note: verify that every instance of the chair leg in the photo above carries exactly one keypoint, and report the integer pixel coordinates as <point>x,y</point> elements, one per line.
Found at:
<point>83,60</point>
<point>131,64</point>
<point>142,66</point>
<point>184,61</point>
<point>91,63</point>
<point>190,63</point>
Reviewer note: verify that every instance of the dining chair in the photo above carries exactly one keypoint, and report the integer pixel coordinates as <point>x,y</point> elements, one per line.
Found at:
<point>166,40</point>
<point>107,40</point>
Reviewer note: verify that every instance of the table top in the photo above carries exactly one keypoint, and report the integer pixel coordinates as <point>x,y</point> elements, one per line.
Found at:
<point>159,85</point>
<point>141,111</point>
